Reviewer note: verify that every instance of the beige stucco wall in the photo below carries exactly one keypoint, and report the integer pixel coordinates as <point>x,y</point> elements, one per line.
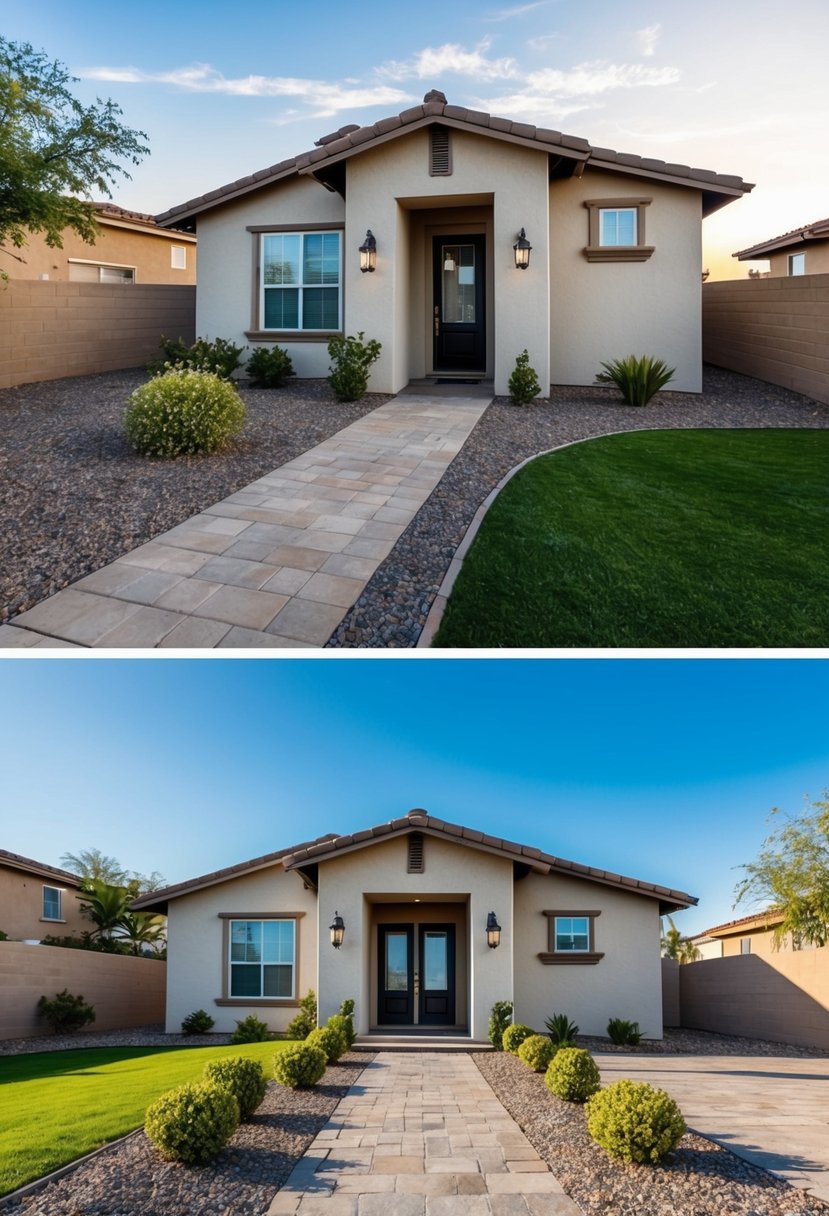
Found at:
<point>626,983</point>
<point>817,259</point>
<point>196,955</point>
<point>606,310</point>
<point>146,250</point>
<point>21,907</point>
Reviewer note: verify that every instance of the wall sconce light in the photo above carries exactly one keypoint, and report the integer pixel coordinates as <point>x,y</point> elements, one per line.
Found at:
<point>337,931</point>
<point>493,931</point>
<point>368,252</point>
<point>522,248</point>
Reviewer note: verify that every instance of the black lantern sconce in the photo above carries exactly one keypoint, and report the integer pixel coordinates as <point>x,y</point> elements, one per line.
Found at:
<point>522,249</point>
<point>493,931</point>
<point>337,931</point>
<point>368,253</point>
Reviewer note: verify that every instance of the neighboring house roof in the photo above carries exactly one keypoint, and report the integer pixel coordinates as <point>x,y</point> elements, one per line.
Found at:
<point>325,847</point>
<point>568,154</point>
<point>26,865</point>
<point>758,920</point>
<point>121,216</point>
<point>819,231</point>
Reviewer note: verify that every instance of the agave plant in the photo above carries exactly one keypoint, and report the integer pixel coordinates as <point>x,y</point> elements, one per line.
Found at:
<point>637,379</point>
<point>561,1030</point>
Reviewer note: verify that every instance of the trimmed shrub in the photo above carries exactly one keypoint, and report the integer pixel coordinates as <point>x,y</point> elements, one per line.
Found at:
<point>624,1033</point>
<point>523,383</point>
<point>244,1078</point>
<point>221,357</point>
<point>197,1022</point>
<point>499,1019</point>
<point>65,1013</point>
<point>636,379</point>
<point>330,1039</point>
<point>4,937</point>
<point>537,1051</point>
<point>351,359</point>
<point>305,1021</point>
<point>344,1028</point>
<point>347,1012</point>
<point>635,1122</point>
<point>572,1075</point>
<point>269,367</point>
<point>250,1030</point>
<point>193,1122</point>
<point>299,1067</point>
<point>183,412</point>
<point>561,1030</point>
<point>514,1036</point>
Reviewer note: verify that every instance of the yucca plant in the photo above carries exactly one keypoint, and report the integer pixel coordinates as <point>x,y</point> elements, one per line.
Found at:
<point>637,379</point>
<point>561,1030</point>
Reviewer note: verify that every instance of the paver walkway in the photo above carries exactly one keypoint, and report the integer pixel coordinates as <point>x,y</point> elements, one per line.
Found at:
<point>278,563</point>
<point>421,1135</point>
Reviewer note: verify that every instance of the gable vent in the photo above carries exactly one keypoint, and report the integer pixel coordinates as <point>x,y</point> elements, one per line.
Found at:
<point>440,158</point>
<point>415,865</point>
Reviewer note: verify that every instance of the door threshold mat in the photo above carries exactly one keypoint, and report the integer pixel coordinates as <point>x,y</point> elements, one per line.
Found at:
<point>455,380</point>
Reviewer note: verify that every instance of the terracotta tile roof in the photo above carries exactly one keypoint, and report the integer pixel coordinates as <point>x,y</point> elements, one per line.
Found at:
<point>339,145</point>
<point>15,862</point>
<point>768,917</point>
<point>106,210</point>
<point>809,232</point>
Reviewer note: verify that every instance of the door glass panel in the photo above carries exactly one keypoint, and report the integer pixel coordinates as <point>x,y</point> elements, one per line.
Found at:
<point>435,970</point>
<point>458,263</point>
<point>397,962</point>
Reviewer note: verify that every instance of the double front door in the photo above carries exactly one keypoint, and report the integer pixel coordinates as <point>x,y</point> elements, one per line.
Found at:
<point>416,974</point>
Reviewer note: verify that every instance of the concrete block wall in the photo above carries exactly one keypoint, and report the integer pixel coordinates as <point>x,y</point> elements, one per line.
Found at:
<point>775,329</point>
<point>125,991</point>
<point>670,993</point>
<point>49,330</point>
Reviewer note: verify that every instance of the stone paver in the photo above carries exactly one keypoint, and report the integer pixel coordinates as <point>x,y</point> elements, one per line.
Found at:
<point>278,563</point>
<point>421,1134</point>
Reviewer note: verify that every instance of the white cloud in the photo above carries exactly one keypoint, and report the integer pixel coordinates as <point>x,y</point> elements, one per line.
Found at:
<point>590,79</point>
<point>432,62</point>
<point>506,14</point>
<point>542,41</point>
<point>648,38</point>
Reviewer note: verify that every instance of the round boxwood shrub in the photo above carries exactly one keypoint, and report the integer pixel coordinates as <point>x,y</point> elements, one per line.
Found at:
<point>344,1025</point>
<point>244,1078</point>
<point>635,1122</point>
<point>572,1074</point>
<point>183,412</point>
<point>330,1039</point>
<point>193,1122</point>
<point>299,1067</point>
<point>515,1035</point>
<point>537,1051</point>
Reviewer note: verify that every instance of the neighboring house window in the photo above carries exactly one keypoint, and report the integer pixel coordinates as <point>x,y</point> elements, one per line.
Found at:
<point>301,281</point>
<point>616,230</point>
<point>797,263</point>
<point>262,960</point>
<point>96,272</point>
<point>178,257</point>
<point>52,903</point>
<point>571,937</point>
<point>745,945</point>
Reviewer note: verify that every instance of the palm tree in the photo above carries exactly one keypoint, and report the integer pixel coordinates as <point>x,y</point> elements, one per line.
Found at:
<point>93,865</point>
<point>105,905</point>
<point>142,929</point>
<point>675,946</point>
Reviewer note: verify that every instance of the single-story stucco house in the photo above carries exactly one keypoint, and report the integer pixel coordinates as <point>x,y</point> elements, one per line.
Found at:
<point>458,239</point>
<point>802,251</point>
<point>425,924</point>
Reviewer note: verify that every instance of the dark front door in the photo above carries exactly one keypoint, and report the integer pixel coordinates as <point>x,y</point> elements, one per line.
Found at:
<point>395,975</point>
<point>458,324</point>
<point>436,956</point>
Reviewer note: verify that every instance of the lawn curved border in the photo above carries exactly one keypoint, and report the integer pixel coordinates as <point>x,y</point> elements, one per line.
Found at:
<point>38,1184</point>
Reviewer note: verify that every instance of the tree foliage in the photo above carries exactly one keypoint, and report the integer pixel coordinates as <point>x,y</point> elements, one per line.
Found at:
<point>674,945</point>
<point>791,874</point>
<point>55,153</point>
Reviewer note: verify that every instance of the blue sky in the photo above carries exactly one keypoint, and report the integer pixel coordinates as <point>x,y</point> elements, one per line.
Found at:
<point>223,90</point>
<point>661,769</point>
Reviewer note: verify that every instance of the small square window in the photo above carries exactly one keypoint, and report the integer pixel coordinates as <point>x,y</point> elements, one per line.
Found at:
<point>572,933</point>
<point>616,230</point>
<point>571,937</point>
<point>797,263</point>
<point>51,903</point>
<point>178,257</point>
<point>617,226</point>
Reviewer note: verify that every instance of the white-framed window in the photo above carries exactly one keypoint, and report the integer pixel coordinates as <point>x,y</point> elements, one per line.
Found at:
<point>745,945</point>
<point>617,226</point>
<point>797,263</point>
<point>616,230</point>
<point>262,962</point>
<point>52,903</point>
<point>301,281</point>
<point>178,257</point>
<point>98,272</point>
<point>571,936</point>
<point>572,933</point>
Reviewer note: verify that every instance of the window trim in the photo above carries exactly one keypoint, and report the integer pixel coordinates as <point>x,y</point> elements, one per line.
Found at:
<point>60,919</point>
<point>257,329</point>
<point>594,251</point>
<point>588,956</point>
<point>253,1001</point>
<point>795,274</point>
<point>182,249</point>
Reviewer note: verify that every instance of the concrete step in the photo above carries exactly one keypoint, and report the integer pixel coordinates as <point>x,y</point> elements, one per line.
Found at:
<point>424,1041</point>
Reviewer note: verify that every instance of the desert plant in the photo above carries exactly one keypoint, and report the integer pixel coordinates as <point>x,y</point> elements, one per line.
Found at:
<point>637,379</point>
<point>344,1028</point>
<point>244,1078</point>
<point>572,1074</point>
<point>351,359</point>
<point>193,1122</point>
<point>299,1067</point>
<point>514,1036</point>
<point>624,1033</point>
<point>301,1026</point>
<point>221,357</point>
<point>635,1122</point>
<point>330,1039</point>
<point>537,1051</point>
<point>250,1030</point>
<point>561,1030</point>
<point>523,383</point>
<point>269,367</point>
<point>499,1019</point>
<point>197,1022</point>
<point>65,1013</point>
<point>183,412</point>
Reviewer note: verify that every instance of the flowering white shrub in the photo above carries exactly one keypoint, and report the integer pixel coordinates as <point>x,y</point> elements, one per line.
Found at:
<point>183,412</point>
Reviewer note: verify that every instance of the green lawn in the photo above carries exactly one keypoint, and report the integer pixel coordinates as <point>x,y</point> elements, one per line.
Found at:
<point>657,538</point>
<point>58,1105</point>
